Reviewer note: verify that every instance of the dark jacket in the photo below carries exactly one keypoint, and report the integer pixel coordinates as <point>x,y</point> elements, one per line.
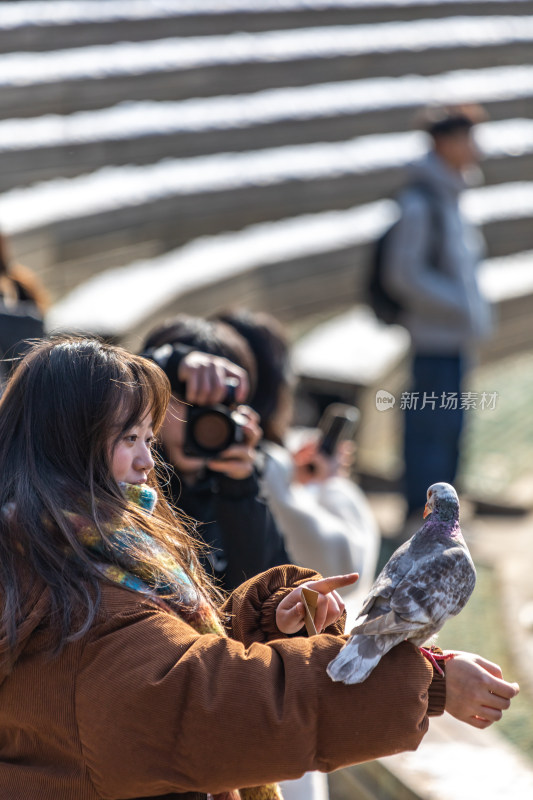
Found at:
<point>235,523</point>
<point>144,706</point>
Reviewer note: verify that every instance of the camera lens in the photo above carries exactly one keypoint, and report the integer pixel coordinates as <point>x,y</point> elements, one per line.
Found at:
<point>211,431</point>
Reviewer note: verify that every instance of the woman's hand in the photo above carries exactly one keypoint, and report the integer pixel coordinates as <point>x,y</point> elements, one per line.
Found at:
<point>238,461</point>
<point>290,614</point>
<point>475,690</point>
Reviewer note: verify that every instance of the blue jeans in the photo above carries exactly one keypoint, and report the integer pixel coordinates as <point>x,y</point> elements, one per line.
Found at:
<point>432,433</point>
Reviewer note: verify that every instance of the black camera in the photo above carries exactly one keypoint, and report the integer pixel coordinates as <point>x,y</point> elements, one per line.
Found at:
<point>212,429</point>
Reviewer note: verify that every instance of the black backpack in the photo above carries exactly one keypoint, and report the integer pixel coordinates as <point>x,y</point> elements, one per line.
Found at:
<point>385,307</point>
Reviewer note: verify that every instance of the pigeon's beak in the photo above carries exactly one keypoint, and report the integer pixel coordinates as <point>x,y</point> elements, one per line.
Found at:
<point>427,511</point>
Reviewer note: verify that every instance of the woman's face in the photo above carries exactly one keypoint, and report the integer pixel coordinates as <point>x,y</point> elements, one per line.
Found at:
<point>131,456</point>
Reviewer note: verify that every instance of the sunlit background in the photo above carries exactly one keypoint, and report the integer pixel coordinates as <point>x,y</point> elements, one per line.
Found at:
<point>188,155</point>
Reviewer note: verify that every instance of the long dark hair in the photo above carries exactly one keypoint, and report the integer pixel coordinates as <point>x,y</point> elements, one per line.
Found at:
<point>68,400</point>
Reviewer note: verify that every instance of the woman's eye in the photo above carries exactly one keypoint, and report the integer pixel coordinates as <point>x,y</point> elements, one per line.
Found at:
<point>131,437</point>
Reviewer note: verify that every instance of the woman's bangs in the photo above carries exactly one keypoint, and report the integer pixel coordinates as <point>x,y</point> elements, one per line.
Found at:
<point>131,401</point>
<point>144,390</point>
<point>157,391</point>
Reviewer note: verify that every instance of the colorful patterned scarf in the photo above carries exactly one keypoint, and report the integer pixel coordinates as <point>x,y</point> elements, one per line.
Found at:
<point>118,566</point>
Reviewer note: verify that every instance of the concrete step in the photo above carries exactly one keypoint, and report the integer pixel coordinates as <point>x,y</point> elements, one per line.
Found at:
<point>118,207</point>
<point>46,147</point>
<point>41,26</point>
<point>514,298</point>
<point>176,68</point>
<point>295,268</point>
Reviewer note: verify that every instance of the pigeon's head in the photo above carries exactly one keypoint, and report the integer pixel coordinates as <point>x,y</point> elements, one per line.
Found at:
<point>442,502</point>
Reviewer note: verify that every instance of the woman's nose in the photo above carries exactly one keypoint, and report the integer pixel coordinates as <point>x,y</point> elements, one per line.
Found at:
<point>144,459</point>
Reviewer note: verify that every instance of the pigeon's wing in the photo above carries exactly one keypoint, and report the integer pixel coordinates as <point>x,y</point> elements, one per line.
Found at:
<point>434,589</point>
<point>392,573</point>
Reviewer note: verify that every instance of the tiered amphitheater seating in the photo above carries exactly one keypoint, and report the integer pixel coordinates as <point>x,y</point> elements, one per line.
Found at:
<point>132,132</point>
<point>188,154</point>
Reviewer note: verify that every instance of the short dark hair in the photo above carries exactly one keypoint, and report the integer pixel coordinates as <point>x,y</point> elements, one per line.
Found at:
<point>449,120</point>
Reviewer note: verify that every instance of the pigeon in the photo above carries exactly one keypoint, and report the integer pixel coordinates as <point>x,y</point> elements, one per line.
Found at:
<point>427,580</point>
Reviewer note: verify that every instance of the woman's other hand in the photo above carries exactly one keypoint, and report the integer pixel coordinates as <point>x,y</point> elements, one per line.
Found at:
<point>475,690</point>
<point>290,614</point>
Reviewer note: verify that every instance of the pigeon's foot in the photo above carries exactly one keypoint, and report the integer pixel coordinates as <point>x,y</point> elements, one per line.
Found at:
<point>434,658</point>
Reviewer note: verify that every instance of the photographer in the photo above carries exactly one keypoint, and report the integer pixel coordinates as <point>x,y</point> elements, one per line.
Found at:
<point>208,364</point>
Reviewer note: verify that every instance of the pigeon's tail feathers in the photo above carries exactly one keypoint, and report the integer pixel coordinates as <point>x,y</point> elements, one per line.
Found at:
<point>359,656</point>
<point>349,669</point>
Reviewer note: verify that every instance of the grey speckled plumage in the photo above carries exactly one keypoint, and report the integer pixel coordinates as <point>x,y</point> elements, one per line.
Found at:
<point>425,582</point>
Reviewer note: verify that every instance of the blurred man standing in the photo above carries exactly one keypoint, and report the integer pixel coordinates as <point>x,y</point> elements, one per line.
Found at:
<point>430,269</point>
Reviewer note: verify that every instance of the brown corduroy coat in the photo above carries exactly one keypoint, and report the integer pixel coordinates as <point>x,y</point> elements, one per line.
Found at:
<point>143,706</point>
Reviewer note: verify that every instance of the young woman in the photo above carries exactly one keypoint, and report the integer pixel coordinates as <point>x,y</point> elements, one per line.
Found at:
<point>119,677</point>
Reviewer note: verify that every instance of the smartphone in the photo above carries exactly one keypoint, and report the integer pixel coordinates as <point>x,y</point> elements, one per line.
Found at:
<point>338,424</point>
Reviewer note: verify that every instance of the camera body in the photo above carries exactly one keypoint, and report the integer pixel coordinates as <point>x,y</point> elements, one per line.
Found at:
<point>212,429</point>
